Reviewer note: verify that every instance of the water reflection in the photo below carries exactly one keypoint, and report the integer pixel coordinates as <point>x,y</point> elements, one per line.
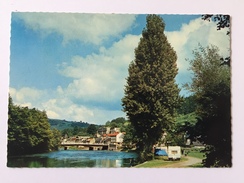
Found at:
<point>74,158</point>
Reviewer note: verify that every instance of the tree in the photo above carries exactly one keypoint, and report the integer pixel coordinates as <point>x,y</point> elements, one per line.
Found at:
<point>28,131</point>
<point>92,129</point>
<point>211,86</point>
<point>151,94</point>
<point>188,105</point>
<point>129,140</point>
<point>223,21</point>
<point>55,139</point>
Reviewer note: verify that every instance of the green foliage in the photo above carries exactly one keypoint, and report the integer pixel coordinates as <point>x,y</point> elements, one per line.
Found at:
<point>182,120</point>
<point>92,129</point>
<point>69,128</point>
<point>55,139</point>
<point>29,131</point>
<point>129,138</point>
<point>69,132</point>
<point>151,94</point>
<point>223,21</point>
<point>211,85</point>
<point>117,123</point>
<point>63,124</point>
<point>188,105</point>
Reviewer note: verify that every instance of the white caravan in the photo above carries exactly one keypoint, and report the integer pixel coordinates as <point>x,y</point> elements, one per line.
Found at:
<point>174,152</point>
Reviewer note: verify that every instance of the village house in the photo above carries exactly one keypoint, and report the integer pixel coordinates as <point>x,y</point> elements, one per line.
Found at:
<point>112,137</point>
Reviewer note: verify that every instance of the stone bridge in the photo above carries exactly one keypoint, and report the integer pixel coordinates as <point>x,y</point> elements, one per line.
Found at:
<point>91,146</point>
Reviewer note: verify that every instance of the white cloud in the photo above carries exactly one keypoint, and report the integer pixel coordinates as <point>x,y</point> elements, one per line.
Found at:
<point>87,28</point>
<point>101,77</point>
<point>26,96</point>
<point>58,107</point>
<point>61,106</point>
<point>66,109</point>
<point>98,79</point>
<point>197,32</point>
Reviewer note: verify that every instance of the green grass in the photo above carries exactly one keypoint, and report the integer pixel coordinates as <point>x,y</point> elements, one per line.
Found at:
<point>153,164</point>
<point>196,153</point>
<point>157,163</point>
<point>160,161</point>
<point>198,165</point>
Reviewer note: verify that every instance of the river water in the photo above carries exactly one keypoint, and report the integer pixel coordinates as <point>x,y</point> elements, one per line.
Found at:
<point>75,158</point>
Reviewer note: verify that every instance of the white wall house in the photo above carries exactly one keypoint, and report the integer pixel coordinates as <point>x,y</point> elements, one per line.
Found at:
<point>120,137</point>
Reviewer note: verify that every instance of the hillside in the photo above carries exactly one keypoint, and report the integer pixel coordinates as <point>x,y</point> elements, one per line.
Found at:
<point>63,124</point>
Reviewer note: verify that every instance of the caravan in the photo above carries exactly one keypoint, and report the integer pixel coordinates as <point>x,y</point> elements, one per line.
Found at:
<point>173,152</point>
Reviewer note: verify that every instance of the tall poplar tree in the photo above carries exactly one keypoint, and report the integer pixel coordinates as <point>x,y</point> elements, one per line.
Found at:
<point>151,94</point>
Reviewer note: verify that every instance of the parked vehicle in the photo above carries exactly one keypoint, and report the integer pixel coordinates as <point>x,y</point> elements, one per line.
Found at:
<point>161,151</point>
<point>172,152</point>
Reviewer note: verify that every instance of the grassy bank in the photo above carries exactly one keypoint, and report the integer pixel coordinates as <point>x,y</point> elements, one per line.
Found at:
<point>194,154</point>
<point>160,162</point>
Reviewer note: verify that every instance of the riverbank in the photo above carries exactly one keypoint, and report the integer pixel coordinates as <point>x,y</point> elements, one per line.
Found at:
<point>185,162</point>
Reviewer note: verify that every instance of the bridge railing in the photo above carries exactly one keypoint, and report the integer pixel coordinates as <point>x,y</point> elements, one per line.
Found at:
<point>79,143</point>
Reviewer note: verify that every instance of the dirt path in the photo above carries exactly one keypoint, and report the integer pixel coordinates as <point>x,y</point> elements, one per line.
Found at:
<point>181,164</point>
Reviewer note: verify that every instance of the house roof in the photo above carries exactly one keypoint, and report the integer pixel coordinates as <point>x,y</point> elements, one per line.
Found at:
<point>111,134</point>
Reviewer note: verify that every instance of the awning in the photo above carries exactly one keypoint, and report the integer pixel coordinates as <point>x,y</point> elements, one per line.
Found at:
<point>160,152</point>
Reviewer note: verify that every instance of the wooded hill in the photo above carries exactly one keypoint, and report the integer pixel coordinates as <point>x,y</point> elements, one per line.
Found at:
<point>64,124</point>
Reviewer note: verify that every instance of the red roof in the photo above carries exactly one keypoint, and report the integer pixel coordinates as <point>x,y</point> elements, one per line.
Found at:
<point>111,134</point>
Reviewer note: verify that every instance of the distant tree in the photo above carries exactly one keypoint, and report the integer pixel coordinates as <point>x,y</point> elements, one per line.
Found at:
<point>118,123</point>
<point>151,94</point>
<point>119,120</point>
<point>76,130</point>
<point>188,105</point>
<point>92,129</point>
<point>107,123</point>
<point>67,132</point>
<point>211,86</point>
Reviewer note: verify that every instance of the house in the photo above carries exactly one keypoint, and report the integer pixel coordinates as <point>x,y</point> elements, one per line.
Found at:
<point>102,130</point>
<point>112,137</point>
<point>120,137</point>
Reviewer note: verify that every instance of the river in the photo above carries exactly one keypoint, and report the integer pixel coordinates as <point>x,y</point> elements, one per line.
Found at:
<point>75,158</point>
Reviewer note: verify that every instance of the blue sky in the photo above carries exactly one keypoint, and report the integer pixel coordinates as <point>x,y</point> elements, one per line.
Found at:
<point>74,66</point>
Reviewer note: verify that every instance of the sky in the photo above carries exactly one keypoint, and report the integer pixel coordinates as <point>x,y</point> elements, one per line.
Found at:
<point>74,66</point>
